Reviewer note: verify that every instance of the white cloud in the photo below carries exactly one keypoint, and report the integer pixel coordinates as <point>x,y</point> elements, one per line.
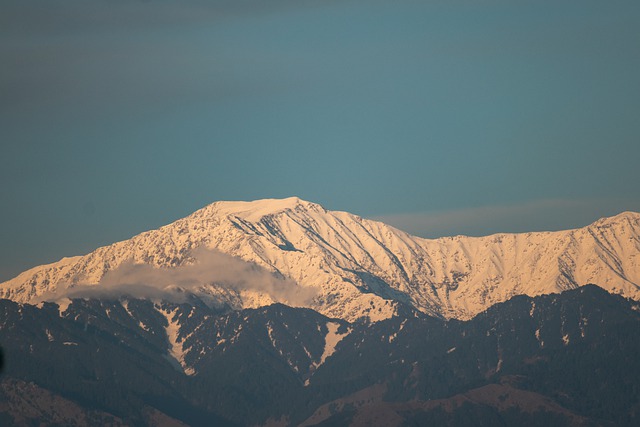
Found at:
<point>209,268</point>
<point>539,215</point>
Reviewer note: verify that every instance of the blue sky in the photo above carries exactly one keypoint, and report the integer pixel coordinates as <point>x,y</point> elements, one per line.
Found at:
<point>439,117</point>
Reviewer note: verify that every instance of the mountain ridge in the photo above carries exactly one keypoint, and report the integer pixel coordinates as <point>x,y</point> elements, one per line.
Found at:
<point>545,360</point>
<point>360,268</point>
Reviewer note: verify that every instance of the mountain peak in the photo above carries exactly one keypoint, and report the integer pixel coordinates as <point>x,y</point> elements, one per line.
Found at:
<point>627,216</point>
<point>355,267</point>
<point>254,210</point>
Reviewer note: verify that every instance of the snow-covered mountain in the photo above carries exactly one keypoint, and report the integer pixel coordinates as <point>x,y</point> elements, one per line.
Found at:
<point>349,267</point>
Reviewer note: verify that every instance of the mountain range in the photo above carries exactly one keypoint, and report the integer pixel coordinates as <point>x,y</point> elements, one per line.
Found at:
<point>566,359</point>
<point>345,266</point>
<point>281,313</point>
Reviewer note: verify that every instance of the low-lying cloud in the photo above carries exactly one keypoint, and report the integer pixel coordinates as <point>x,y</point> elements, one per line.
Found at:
<point>209,268</point>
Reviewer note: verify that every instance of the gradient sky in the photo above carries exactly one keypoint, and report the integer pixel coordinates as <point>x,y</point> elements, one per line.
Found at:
<point>438,116</point>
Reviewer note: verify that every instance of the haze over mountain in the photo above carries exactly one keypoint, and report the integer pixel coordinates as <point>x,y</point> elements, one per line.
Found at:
<point>251,254</point>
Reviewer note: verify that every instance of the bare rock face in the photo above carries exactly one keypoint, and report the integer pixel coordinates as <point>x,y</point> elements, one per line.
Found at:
<point>342,265</point>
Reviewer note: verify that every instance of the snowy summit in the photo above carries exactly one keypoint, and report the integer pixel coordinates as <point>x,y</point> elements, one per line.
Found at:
<point>348,267</point>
